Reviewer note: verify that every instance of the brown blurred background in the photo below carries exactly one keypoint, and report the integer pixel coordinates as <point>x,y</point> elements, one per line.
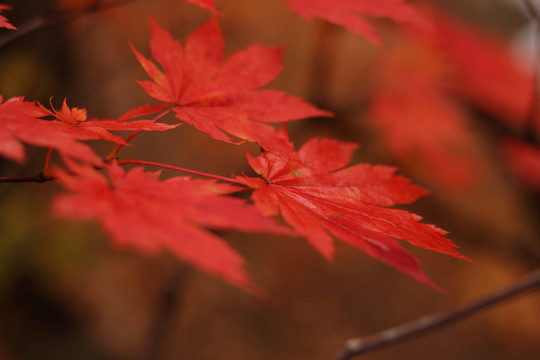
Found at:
<point>65,293</point>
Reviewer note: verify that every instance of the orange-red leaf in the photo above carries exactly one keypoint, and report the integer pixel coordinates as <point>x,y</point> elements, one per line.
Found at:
<point>317,196</point>
<point>20,123</point>
<point>524,160</point>
<point>348,13</point>
<point>487,75</point>
<point>205,4</point>
<point>4,23</point>
<point>138,210</point>
<point>221,98</point>
<point>420,121</point>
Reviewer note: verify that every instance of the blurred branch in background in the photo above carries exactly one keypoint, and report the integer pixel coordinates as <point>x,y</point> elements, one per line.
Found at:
<point>359,346</point>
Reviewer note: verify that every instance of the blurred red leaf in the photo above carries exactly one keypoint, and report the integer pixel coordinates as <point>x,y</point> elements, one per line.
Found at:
<point>205,4</point>
<point>219,98</point>
<point>524,160</point>
<point>4,23</point>
<point>420,121</point>
<point>486,73</point>
<point>316,195</point>
<point>138,210</point>
<point>347,13</point>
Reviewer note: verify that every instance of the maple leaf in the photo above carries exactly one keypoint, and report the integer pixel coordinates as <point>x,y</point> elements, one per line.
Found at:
<point>4,23</point>
<point>219,98</point>
<point>20,123</point>
<point>347,13</point>
<point>138,210</point>
<point>318,196</point>
<point>75,120</point>
<point>205,4</point>
<point>420,121</point>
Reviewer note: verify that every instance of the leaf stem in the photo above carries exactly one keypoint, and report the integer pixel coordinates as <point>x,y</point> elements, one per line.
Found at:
<point>119,147</point>
<point>358,346</point>
<point>48,160</point>
<point>177,168</point>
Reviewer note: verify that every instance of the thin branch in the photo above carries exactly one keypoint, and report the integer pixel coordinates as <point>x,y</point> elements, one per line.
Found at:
<point>39,178</point>
<point>532,114</point>
<point>177,168</point>
<point>164,315</point>
<point>41,22</point>
<point>358,346</point>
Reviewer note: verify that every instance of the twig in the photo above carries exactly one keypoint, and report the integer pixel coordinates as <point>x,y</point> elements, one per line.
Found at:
<point>41,22</point>
<point>358,346</point>
<point>39,178</point>
<point>166,306</point>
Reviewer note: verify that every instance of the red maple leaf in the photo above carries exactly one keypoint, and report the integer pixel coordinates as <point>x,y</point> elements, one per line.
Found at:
<point>220,98</point>
<point>75,120</point>
<point>347,13</point>
<point>205,4</point>
<point>316,195</point>
<point>138,210</point>
<point>421,122</point>
<point>21,122</point>
<point>4,23</point>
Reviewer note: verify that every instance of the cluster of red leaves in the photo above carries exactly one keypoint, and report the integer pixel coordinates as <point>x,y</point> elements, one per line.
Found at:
<point>313,190</point>
<point>4,23</point>
<point>423,84</point>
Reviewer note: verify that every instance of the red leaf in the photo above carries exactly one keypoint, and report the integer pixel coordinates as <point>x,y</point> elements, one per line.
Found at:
<point>20,123</point>
<point>220,99</point>
<point>4,23</point>
<point>524,160</point>
<point>205,4</point>
<point>347,13</point>
<point>486,73</point>
<point>419,120</point>
<point>316,196</point>
<point>138,210</point>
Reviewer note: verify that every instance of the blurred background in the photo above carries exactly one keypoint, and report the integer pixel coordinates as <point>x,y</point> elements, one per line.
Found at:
<point>66,293</point>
